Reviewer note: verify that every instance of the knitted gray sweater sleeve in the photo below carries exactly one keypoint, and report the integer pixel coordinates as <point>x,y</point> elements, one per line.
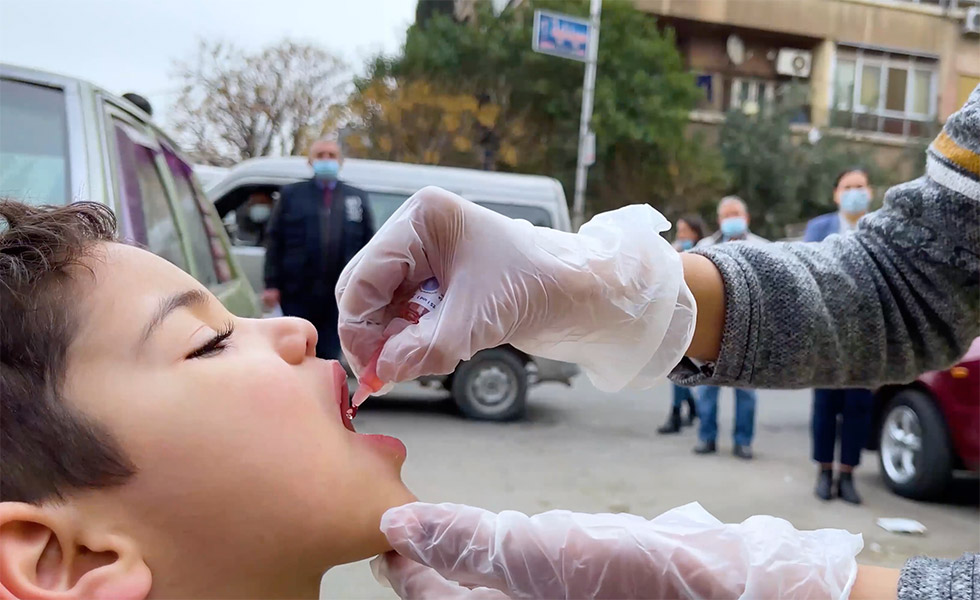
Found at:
<point>898,297</point>
<point>940,579</point>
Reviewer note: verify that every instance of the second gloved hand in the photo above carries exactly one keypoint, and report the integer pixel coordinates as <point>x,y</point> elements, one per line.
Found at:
<point>683,553</point>
<point>611,297</point>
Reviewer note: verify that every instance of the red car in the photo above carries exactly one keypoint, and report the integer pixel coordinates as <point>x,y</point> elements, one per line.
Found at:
<point>929,428</point>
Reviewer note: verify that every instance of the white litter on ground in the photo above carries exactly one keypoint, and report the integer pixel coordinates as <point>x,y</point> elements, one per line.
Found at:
<point>901,525</point>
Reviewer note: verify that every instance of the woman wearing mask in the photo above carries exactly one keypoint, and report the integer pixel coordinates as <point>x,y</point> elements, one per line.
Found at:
<point>852,193</point>
<point>690,231</point>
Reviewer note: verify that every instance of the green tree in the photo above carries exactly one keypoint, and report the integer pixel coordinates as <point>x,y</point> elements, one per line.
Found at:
<point>766,166</point>
<point>643,96</point>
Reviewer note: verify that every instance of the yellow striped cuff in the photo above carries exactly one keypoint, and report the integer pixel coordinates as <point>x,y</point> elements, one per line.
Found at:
<point>962,157</point>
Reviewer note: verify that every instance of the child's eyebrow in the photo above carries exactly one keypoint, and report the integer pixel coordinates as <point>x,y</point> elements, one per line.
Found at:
<point>188,299</point>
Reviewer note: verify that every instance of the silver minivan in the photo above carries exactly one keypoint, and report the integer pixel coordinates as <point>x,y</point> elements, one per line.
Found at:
<point>493,384</point>
<point>63,139</point>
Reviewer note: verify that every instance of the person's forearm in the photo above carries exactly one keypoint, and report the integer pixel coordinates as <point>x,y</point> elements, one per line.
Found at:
<point>875,583</point>
<point>704,281</point>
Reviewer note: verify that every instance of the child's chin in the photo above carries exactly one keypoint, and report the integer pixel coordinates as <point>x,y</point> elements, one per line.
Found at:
<point>399,497</point>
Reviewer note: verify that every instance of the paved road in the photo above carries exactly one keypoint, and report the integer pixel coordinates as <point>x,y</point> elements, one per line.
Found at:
<point>584,450</point>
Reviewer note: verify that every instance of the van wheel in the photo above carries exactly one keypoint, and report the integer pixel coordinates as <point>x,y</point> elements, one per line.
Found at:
<point>914,454</point>
<point>491,386</point>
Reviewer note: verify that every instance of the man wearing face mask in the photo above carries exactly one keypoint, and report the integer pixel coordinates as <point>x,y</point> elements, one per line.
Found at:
<point>852,193</point>
<point>317,226</point>
<point>733,226</point>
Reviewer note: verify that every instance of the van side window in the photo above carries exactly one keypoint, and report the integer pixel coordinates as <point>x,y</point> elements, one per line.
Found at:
<point>147,216</point>
<point>209,253</point>
<point>34,143</point>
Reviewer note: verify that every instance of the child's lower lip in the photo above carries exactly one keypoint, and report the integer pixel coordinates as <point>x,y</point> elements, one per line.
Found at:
<point>386,441</point>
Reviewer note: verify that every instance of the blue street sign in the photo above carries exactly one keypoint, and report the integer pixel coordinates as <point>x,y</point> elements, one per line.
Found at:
<point>560,35</point>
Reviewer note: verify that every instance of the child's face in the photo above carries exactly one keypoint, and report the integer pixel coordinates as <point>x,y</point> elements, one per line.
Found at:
<point>248,482</point>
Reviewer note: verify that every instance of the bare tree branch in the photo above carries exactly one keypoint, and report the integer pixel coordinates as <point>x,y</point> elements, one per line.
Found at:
<point>235,105</point>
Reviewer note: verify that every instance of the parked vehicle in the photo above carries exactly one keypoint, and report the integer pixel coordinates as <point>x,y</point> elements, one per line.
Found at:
<point>929,428</point>
<point>493,384</point>
<point>66,140</point>
<point>208,175</point>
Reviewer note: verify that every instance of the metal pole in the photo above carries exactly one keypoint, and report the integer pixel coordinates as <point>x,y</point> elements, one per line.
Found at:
<point>588,93</point>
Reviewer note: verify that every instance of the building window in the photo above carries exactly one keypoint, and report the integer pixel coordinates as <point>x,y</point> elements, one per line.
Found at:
<point>943,3</point>
<point>758,91</point>
<point>763,95</point>
<point>884,91</point>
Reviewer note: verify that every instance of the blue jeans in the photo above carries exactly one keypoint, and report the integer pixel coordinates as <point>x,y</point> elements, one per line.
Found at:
<point>708,414</point>
<point>684,394</point>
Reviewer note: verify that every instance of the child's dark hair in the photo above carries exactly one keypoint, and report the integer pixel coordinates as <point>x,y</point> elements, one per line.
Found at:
<point>853,169</point>
<point>694,222</point>
<point>47,448</point>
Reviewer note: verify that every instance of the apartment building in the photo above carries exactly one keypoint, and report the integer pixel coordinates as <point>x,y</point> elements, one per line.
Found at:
<point>884,72</point>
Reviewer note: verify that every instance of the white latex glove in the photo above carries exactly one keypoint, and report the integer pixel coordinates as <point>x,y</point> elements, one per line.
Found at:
<point>409,579</point>
<point>611,298</point>
<point>683,553</point>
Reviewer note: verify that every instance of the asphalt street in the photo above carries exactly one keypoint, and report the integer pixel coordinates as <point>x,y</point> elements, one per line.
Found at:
<point>584,450</point>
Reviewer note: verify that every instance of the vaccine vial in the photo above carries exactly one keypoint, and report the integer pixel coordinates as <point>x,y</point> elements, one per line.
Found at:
<point>425,300</point>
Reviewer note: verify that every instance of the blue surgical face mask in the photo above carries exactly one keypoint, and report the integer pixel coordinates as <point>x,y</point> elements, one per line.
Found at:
<point>259,213</point>
<point>734,227</point>
<point>326,169</point>
<point>855,201</point>
<point>684,245</point>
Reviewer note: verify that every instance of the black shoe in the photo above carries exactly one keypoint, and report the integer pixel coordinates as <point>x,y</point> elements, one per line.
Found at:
<point>825,484</point>
<point>705,447</point>
<point>744,452</point>
<point>846,490</point>
<point>673,424</point>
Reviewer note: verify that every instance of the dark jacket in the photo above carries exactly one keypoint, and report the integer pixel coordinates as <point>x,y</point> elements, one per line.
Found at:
<point>819,228</point>
<point>307,244</point>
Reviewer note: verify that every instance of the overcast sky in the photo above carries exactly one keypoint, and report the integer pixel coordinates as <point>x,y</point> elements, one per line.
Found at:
<point>129,45</point>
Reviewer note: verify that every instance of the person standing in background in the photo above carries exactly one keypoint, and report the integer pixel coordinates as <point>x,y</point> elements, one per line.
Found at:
<point>315,229</point>
<point>852,193</point>
<point>690,231</point>
<point>733,226</point>
<point>253,218</point>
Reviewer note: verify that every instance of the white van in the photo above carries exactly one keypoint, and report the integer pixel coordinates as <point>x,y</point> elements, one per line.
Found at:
<point>493,384</point>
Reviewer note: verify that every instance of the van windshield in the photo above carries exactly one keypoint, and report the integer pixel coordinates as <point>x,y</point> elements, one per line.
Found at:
<point>34,144</point>
<point>384,204</point>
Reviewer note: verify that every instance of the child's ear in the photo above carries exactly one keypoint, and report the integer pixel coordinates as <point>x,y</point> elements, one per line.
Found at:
<point>47,553</point>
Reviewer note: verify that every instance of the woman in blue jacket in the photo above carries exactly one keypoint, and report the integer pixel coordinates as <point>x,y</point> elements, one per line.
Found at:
<point>852,193</point>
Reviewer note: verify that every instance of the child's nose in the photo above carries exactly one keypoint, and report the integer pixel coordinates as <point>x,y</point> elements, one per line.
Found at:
<point>296,338</point>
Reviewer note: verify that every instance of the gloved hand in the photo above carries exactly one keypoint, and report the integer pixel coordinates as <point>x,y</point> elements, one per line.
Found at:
<point>683,553</point>
<point>611,297</point>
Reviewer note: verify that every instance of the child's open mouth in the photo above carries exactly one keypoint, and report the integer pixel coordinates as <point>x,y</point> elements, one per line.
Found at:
<point>343,396</point>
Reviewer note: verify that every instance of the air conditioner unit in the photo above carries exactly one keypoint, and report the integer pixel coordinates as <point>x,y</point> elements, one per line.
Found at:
<point>971,24</point>
<point>793,62</point>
